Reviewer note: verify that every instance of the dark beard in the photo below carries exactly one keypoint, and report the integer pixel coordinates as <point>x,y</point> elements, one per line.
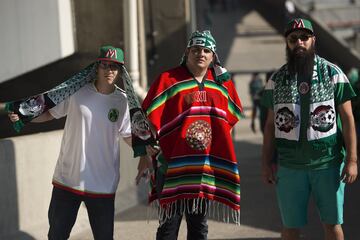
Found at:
<point>301,62</point>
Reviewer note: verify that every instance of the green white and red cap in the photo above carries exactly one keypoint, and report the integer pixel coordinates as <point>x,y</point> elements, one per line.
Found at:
<point>298,24</point>
<point>112,54</point>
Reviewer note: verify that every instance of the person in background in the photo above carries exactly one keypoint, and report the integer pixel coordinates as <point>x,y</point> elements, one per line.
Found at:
<point>353,76</point>
<point>255,88</point>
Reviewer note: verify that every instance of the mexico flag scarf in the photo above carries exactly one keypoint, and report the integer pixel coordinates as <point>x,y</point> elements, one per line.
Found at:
<point>328,84</point>
<point>197,160</point>
<point>32,107</point>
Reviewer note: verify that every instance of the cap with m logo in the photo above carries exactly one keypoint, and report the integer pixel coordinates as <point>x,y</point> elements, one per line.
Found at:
<point>110,53</point>
<point>298,24</point>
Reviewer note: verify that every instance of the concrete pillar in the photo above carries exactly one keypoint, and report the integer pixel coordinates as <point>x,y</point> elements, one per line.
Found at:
<point>131,44</point>
<point>142,45</point>
<point>190,15</point>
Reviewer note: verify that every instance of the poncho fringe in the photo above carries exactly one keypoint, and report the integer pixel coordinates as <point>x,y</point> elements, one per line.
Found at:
<point>213,209</point>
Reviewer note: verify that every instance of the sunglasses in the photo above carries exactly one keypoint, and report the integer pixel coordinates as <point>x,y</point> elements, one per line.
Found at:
<point>107,65</point>
<point>302,37</point>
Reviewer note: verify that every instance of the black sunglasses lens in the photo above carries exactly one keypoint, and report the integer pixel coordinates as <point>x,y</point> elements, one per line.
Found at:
<point>304,37</point>
<point>112,66</point>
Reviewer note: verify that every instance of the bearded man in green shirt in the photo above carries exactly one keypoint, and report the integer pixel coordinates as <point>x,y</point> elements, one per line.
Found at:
<point>311,124</point>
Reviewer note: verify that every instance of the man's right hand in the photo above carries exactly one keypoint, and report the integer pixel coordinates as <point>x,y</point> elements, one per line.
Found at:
<point>13,117</point>
<point>268,172</point>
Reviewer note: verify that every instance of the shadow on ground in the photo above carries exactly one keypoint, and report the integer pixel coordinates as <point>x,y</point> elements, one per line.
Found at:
<point>258,201</point>
<point>246,239</point>
<point>258,205</point>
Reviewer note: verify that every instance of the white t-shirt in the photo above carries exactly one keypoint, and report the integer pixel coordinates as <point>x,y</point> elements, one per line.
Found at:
<point>89,160</point>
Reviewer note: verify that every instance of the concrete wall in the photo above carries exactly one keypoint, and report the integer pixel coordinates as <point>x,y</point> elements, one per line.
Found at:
<point>98,23</point>
<point>26,168</point>
<point>39,32</point>
<point>33,34</point>
<point>170,34</point>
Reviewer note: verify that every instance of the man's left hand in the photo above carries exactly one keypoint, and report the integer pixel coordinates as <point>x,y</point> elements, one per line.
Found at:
<point>350,172</point>
<point>144,168</point>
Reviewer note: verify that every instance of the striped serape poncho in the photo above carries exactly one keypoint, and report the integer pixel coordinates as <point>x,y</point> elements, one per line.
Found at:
<point>193,122</point>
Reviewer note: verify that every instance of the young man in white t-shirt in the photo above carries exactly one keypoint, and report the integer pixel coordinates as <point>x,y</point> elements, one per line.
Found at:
<point>88,165</point>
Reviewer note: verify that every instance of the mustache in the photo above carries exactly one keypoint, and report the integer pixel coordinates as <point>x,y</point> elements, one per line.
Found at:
<point>298,48</point>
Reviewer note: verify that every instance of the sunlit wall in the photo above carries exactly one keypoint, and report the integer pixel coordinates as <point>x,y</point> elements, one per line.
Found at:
<point>34,33</point>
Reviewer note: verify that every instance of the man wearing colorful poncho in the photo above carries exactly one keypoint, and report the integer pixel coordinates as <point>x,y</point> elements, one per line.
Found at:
<point>193,108</point>
<point>310,120</point>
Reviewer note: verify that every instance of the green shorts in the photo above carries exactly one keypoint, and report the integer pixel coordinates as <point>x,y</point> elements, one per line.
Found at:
<point>294,188</point>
